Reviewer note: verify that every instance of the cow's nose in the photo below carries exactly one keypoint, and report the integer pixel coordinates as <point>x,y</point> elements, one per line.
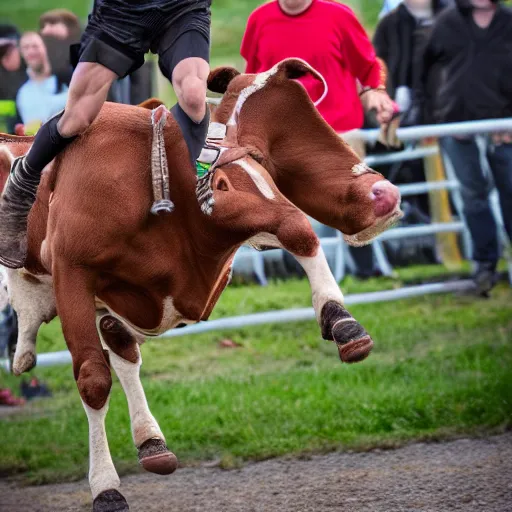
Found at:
<point>385,196</point>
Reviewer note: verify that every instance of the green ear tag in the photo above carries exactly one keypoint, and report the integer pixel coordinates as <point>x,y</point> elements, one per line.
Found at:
<point>202,168</point>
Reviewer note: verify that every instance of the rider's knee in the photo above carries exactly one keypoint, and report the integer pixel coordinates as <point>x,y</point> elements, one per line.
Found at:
<point>193,97</point>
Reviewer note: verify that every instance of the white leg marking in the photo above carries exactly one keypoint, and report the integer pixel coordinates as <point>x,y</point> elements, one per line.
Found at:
<point>102,473</point>
<point>324,287</point>
<point>34,303</point>
<point>144,425</point>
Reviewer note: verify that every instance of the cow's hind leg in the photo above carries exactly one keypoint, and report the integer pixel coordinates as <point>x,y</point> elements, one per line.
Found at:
<point>74,290</point>
<point>33,300</point>
<point>125,359</point>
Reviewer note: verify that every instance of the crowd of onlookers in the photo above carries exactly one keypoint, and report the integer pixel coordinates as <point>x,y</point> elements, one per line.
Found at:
<point>451,61</point>
<point>35,70</point>
<point>446,61</point>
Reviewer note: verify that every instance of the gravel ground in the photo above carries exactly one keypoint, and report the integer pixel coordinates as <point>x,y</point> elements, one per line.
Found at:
<point>464,475</point>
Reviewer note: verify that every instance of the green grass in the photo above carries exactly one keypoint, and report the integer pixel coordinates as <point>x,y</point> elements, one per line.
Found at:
<point>442,366</point>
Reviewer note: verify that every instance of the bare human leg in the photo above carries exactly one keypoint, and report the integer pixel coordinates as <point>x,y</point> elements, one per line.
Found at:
<point>87,93</point>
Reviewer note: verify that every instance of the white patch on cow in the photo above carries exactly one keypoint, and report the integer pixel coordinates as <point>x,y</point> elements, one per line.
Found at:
<point>258,179</point>
<point>260,82</point>
<point>257,84</point>
<point>144,425</point>
<point>324,287</point>
<point>171,317</point>
<point>34,304</point>
<point>360,168</point>
<point>102,473</point>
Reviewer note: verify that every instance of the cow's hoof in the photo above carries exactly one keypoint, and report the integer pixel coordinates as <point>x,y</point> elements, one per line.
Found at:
<point>23,363</point>
<point>356,350</point>
<point>338,325</point>
<point>110,501</point>
<point>155,457</point>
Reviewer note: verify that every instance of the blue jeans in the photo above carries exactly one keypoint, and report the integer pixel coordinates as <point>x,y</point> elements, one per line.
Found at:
<point>475,189</point>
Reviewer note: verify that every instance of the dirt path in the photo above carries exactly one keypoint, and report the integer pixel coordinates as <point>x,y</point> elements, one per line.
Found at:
<point>466,475</point>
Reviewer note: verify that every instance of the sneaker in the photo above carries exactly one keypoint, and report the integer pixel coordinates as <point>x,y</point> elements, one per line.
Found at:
<point>485,278</point>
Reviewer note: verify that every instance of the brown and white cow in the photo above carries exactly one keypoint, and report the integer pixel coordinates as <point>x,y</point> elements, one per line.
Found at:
<point>120,274</point>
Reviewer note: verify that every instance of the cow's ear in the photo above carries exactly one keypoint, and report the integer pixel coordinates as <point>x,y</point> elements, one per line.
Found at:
<point>294,68</point>
<point>222,182</point>
<point>151,103</point>
<point>219,79</point>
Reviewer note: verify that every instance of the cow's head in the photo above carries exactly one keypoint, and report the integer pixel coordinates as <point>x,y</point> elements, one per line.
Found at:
<point>308,161</point>
<point>248,203</point>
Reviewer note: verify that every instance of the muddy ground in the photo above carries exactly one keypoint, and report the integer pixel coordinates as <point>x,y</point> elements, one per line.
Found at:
<point>464,475</point>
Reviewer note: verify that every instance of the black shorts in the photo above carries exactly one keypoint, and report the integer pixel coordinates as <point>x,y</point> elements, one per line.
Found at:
<point>120,32</point>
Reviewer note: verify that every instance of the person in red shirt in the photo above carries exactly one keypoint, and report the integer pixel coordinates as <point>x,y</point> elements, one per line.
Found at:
<point>329,37</point>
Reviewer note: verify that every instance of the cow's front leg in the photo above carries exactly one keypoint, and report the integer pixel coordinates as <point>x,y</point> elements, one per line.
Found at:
<point>125,359</point>
<point>296,235</point>
<point>338,325</point>
<point>74,291</point>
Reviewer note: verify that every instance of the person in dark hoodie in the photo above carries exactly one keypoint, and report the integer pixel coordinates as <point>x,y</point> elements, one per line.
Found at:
<point>399,41</point>
<point>469,58</point>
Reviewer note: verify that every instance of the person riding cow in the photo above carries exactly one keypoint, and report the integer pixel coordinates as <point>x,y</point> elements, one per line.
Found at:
<point>118,34</point>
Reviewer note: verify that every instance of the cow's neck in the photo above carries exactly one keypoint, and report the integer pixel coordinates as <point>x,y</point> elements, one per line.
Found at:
<point>306,158</point>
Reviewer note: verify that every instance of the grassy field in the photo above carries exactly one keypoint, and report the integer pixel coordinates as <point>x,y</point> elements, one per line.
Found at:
<point>442,366</point>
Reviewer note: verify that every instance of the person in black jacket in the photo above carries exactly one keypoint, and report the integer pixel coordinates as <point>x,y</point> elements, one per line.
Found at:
<point>469,57</point>
<point>400,40</point>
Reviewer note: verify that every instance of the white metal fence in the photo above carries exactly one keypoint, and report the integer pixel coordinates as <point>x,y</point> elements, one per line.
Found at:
<point>257,261</point>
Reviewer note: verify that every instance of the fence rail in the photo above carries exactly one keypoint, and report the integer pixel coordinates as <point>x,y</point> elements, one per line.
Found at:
<point>336,243</point>
<point>278,317</point>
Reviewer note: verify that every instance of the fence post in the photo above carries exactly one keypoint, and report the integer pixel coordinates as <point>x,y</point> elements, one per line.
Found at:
<point>440,211</point>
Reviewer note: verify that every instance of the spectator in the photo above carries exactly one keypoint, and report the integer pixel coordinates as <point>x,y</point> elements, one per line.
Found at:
<point>12,76</point>
<point>329,37</point>
<point>42,95</point>
<point>469,55</point>
<point>60,29</point>
<point>399,41</point>
<point>388,6</point>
